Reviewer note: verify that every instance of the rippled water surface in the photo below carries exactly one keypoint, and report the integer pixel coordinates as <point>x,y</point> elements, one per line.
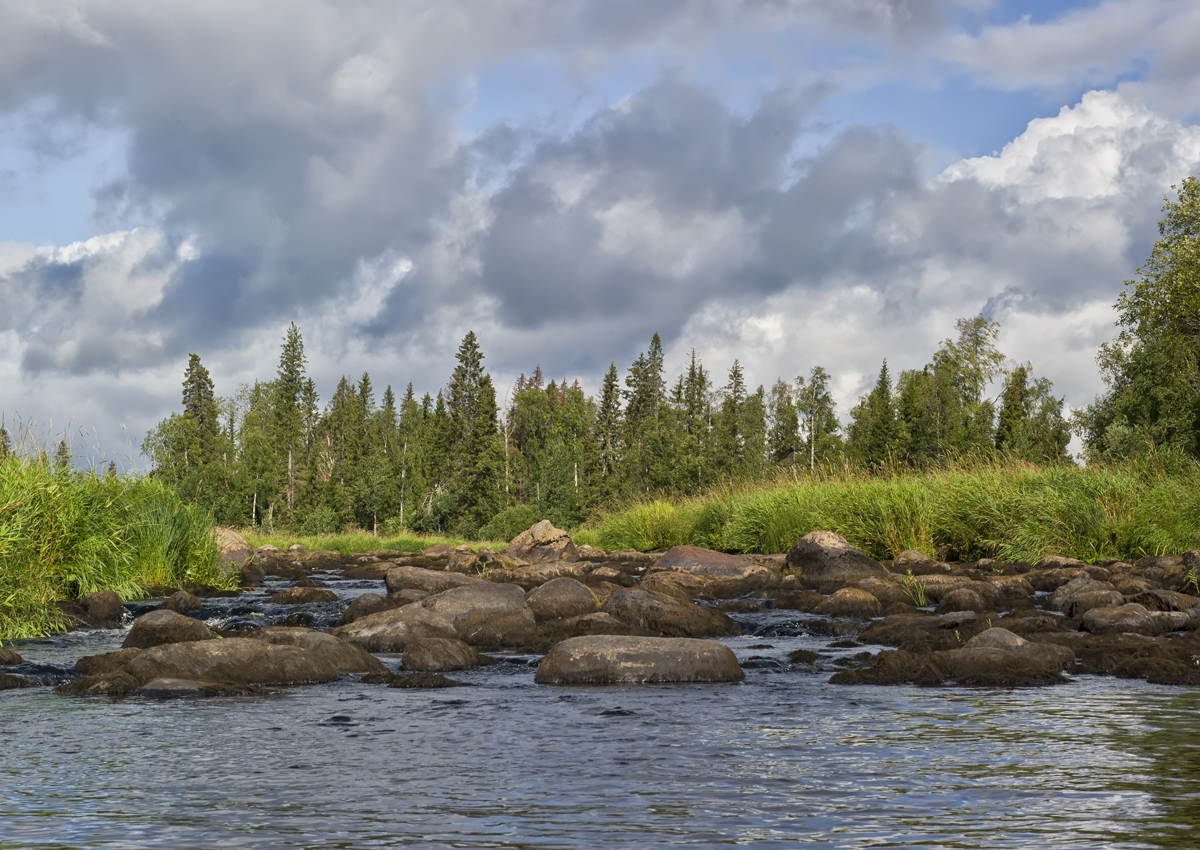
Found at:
<point>781,759</point>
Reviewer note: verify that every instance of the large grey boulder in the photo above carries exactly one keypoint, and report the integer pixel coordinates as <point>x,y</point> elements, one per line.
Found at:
<point>164,626</point>
<point>102,609</point>
<point>439,655</point>
<point>707,574</point>
<point>391,631</point>
<point>542,542</point>
<point>1132,618</point>
<point>238,661</point>
<point>850,602</point>
<point>611,660</point>
<point>665,616</point>
<point>1053,656</point>
<point>430,581</point>
<point>486,614</point>
<point>343,655</point>
<point>561,597</point>
<point>827,562</point>
<point>233,550</point>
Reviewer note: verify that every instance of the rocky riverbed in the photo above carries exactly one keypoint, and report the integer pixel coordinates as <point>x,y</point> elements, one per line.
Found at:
<point>625,617</point>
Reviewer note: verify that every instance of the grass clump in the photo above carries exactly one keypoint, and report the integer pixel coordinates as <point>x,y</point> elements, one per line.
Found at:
<point>65,534</point>
<point>991,507</point>
<point>355,542</point>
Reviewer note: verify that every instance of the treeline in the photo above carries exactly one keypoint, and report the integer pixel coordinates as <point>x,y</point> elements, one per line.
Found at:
<point>465,463</point>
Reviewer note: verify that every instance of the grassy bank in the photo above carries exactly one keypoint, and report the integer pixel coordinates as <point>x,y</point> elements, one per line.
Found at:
<point>64,535</point>
<point>350,543</point>
<point>985,508</point>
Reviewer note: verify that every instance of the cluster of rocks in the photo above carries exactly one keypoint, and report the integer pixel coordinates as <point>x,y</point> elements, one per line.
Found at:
<point>630,617</point>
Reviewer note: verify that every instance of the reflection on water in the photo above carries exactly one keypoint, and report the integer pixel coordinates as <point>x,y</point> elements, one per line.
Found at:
<point>782,759</point>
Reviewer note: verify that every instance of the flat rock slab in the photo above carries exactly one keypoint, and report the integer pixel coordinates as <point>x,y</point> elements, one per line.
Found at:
<point>616,660</point>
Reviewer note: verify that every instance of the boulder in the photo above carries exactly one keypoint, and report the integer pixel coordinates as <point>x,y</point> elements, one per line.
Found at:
<point>437,655</point>
<point>303,596</point>
<point>921,633</point>
<point>165,627</point>
<point>486,614</point>
<point>1049,580</point>
<point>106,662</point>
<point>10,658</point>
<point>552,632</point>
<point>102,609</point>
<point>235,661</point>
<point>1166,600</point>
<point>1132,618</point>
<point>9,682</point>
<point>438,550</point>
<point>799,600</point>
<point>561,597</point>
<point>888,591</point>
<point>1053,656</point>
<point>995,666</point>
<point>371,603</point>
<point>611,659</point>
<point>462,560</point>
<point>604,574</point>
<point>717,575</point>
<point>1084,593</point>
<point>344,656</point>
<point>430,581</point>
<point>826,562</point>
<point>963,599</point>
<point>232,550</point>
<point>850,602</point>
<point>663,615</point>
<point>391,631</point>
<point>182,602</point>
<point>542,542</point>
<point>529,577</point>
<point>167,688</point>
<point>251,574</point>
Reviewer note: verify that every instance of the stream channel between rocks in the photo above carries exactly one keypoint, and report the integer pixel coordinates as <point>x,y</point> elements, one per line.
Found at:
<point>781,759</point>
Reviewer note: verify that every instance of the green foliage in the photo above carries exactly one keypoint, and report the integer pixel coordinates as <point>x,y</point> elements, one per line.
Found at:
<point>510,522</point>
<point>1004,508</point>
<point>67,535</point>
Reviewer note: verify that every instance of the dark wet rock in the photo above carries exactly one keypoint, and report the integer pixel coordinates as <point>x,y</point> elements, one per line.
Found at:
<point>663,615</point>
<point>707,574</point>
<point>937,585</point>
<point>106,662</point>
<point>115,683</point>
<point>165,627</point>
<point>167,688</point>
<point>965,598</point>
<point>102,609</point>
<point>739,606</point>
<point>542,542</point>
<point>609,575</point>
<point>307,581</point>
<point>234,661</point>
<point>803,656</point>
<point>850,602</point>
<point>1166,600</point>
<point>1132,618</point>
<point>924,634</point>
<point>374,571</point>
<point>800,600</point>
<point>430,581</point>
<point>9,681</point>
<point>412,680</point>
<point>1050,580</point>
<point>303,596</point>
<point>1171,660</point>
<point>182,602</point>
<point>438,655</point>
<point>528,577</point>
<point>1131,585</point>
<point>344,656</point>
<point>233,550</point>
<point>250,574</point>
<point>826,562</point>
<point>10,658</point>
<point>979,666</point>
<point>373,603</point>
<point>888,591</point>
<point>391,631</point>
<point>1053,656</point>
<point>439,550</point>
<point>1033,622</point>
<point>608,659</point>
<point>561,598</point>
<point>551,632</point>
<point>1082,593</point>
<point>486,615</point>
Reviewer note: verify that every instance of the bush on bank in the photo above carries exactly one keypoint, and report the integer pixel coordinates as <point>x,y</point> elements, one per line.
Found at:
<point>65,534</point>
<point>998,508</point>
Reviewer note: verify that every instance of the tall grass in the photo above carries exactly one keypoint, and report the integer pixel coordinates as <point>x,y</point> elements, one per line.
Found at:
<point>66,534</point>
<point>354,542</point>
<point>993,507</point>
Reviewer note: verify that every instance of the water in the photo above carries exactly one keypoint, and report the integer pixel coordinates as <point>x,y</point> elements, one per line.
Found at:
<point>781,759</point>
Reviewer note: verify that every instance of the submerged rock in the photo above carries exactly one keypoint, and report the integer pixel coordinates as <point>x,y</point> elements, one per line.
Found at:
<point>182,602</point>
<point>165,627</point>
<point>303,596</point>
<point>10,658</point>
<point>607,660</point>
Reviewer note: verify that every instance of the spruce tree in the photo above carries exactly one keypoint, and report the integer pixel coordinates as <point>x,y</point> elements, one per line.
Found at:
<point>200,406</point>
<point>475,455</point>
<point>288,415</point>
<point>874,435</point>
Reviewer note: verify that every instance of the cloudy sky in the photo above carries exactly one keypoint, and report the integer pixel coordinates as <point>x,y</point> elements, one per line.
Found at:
<point>789,183</point>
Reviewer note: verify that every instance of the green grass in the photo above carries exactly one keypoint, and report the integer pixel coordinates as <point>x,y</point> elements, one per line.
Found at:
<point>354,542</point>
<point>998,508</point>
<point>64,535</point>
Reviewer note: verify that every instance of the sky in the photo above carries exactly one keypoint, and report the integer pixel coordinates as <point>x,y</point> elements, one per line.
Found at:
<point>790,183</point>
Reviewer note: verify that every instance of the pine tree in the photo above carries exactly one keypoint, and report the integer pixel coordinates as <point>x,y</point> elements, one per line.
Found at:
<point>608,424</point>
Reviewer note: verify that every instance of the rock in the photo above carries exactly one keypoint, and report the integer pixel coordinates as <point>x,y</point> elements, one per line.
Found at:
<point>850,602</point>
<point>542,542</point>
<point>165,688</point>
<point>717,575</point>
<point>232,550</point>
<point>234,661</point>
<point>1053,656</point>
<point>430,581</point>
<point>962,599</point>
<point>888,591</point>
<point>992,666</point>
<point>250,574</point>
<point>552,632</point>
<point>437,655</point>
<point>609,660</point>
<point>463,560</point>
<point>344,656</point>
<point>391,631</point>
<point>107,662</point>
<point>1166,600</point>
<point>662,615</point>
<point>739,606</point>
<point>9,682</point>
<point>1133,618</point>
<point>116,683</point>
<point>10,658</point>
<point>182,602</point>
<point>1048,581</point>
<point>528,577</point>
<point>609,575</point>
<point>561,597</point>
<point>102,609</point>
<point>440,550</point>
<point>1069,596</point>
<point>165,627</point>
<point>922,634</point>
<point>1058,562</point>
<point>372,603</point>
<point>826,562</point>
<point>303,596</point>
<point>486,614</point>
<point>1033,622</point>
<point>800,600</point>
